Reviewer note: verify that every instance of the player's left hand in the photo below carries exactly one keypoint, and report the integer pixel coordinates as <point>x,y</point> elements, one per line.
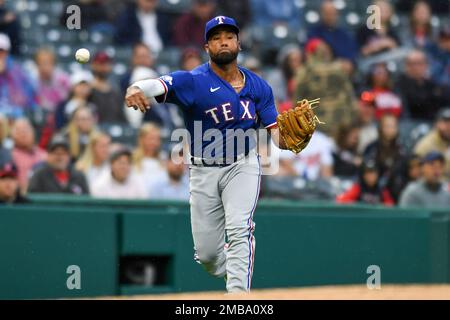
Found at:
<point>296,126</point>
<point>135,98</point>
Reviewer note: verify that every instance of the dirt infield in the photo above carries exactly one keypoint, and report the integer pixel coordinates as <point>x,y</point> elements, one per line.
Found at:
<point>391,292</point>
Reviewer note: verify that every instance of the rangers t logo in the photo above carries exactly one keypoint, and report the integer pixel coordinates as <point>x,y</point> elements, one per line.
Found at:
<point>220,19</point>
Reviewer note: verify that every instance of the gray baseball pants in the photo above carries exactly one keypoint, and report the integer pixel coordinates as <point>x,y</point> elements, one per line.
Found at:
<point>223,201</point>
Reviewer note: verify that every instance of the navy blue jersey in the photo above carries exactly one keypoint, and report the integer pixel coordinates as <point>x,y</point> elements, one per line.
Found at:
<point>211,102</point>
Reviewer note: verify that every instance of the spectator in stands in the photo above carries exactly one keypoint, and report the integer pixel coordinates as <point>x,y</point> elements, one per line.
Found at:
<point>367,121</point>
<point>95,159</point>
<point>96,15</point>
<point>79,130</point>
<point>107,98</point>
<point>380,85</point>
<point>346,157</point>
<point>10,25</point>
<point>422,97</point>
<point>115,7</point>
<point>438,139</point>
<point>175,186</point>
<point>439,55</point>
<point>9,185</point>
<point>57,175</point>
<point>403,174</point>
<point>431,191</point>
<point>53,87</point>
<point>25,154</point>
<point>120,182</point>
<point>81,127</point>
<point>368,189</point>
<point>376,40</point>
<point>190,59</point>
<point>5,152</point>
<point>387,151</point>
<point>341,42</point>
<point>146,156</point>
<point>79,96</point>
<point>314,162</point>
<point>189,28</point>
<point>324,78</point>
<point>17,94</point>
<point>282,79</point>
<point>143,22</point>
<point>405,6</point>
<point>239,10</point>
<point>53,84</point>
<point>141,57</point>
<point>273,13</point>
<point>419,33</point>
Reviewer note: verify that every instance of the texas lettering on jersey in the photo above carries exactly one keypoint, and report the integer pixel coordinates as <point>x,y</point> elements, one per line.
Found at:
<point>206,98</point>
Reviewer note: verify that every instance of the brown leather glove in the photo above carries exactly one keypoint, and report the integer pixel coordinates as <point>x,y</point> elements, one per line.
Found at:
<point>297,125</point>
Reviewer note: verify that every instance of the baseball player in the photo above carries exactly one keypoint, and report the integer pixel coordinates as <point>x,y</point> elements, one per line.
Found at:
<point>225,183</point>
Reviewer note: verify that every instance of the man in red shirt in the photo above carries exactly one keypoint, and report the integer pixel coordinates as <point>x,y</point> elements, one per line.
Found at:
<point>25,154</point>
<point>189,28</point>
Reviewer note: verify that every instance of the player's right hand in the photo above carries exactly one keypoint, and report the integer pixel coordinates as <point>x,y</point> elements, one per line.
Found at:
<point>136,99</point>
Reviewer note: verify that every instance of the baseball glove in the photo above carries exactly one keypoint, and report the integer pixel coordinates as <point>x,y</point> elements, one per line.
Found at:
<point>297,125</point>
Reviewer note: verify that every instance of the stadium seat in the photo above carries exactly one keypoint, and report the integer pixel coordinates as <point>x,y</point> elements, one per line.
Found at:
<point>296,188</point>
<point>119,69</point>
<point>411,131</point>
<point>175,6</point>
<point>120,133</point>
<point>53,35</point>
<point>170,56</point>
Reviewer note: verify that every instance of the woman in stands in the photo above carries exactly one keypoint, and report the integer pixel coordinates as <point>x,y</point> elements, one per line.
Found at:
<point>380,85</point>
<point>81,127</point>
<point>95,160</point>
<point>146,157</point>
<point>387,150</point>
<point>419,33</point>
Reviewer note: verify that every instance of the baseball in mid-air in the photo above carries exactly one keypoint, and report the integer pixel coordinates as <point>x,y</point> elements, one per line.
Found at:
<point>82,55</point>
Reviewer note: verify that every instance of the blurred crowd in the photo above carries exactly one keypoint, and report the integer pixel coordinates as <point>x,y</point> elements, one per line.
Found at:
<point>385,99</point>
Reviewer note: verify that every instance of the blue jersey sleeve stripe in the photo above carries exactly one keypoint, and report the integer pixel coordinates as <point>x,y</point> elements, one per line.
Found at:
<point>272,125</point>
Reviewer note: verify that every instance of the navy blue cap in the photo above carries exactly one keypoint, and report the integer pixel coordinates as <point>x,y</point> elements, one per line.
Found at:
<point>58,141</point>
<point>218,22</point>
<point>433,156</point>
<point>8,170</point>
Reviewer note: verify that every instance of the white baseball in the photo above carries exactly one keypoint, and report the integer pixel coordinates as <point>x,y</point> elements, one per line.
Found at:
<point>82,55</point>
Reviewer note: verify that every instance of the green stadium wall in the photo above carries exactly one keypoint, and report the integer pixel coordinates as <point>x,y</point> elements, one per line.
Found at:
<point>296,245</point>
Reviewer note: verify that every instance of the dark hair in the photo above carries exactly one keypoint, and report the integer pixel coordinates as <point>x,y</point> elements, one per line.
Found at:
<point>382,118</point>
<point>342,131</point>
<point>370,75</point>
<point>412,25</point>
<point>288,72</point>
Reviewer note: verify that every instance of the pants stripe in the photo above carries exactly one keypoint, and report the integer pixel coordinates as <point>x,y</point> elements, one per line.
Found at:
<point>251,245</point>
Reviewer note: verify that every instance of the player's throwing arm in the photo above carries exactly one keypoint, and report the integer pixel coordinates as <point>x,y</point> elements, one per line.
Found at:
<point>136,98</point>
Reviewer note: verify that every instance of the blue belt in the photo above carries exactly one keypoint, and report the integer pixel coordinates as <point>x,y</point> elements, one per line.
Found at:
<point>202,162</point>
